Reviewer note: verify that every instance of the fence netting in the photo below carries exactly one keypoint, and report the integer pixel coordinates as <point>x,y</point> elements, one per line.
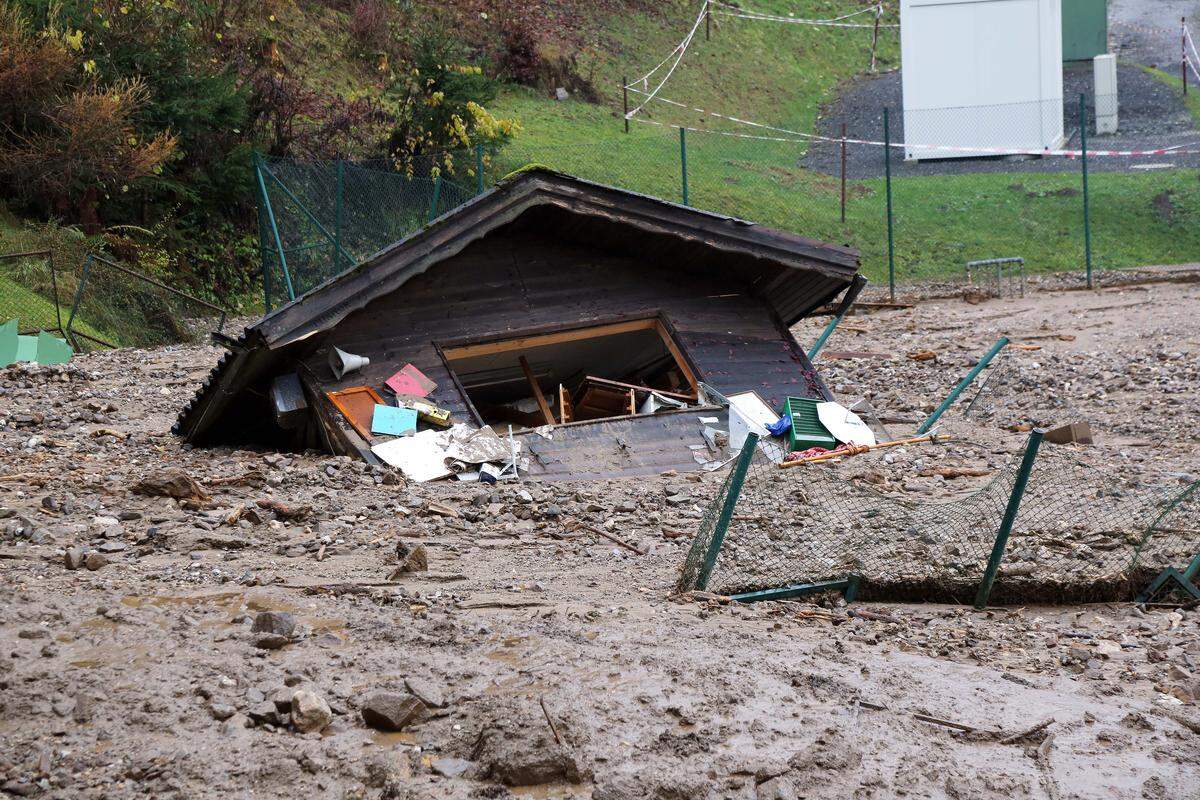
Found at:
<point>1079,534</point>
<point>318,218</point>
<point>30,292</point>
<point>115,306</point>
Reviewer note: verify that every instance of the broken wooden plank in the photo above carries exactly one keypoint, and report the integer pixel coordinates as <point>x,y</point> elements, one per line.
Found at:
<point>537,391</point>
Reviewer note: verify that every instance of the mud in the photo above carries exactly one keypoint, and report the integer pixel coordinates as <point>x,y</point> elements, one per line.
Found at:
<point>548,656</point>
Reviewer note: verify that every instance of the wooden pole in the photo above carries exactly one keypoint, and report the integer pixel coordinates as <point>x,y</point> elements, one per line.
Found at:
<point>875,34</point>
<point>856,449</point>
<point>843,172</point>
<point>1183,52</point>
<point>625,100</point>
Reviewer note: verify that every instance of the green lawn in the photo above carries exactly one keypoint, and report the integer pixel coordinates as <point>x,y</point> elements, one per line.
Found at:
<point>780,74</point>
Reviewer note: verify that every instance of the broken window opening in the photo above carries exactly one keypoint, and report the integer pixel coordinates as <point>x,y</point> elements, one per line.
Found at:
<point>575,374</point>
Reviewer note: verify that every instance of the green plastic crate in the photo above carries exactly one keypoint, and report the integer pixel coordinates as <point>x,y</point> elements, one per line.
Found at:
<point>807,430</point>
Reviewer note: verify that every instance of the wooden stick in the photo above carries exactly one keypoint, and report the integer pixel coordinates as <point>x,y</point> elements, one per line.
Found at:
<point>856,449</point>
<point>577,524</point>
<point>537,391</point>
<point>553,728</point>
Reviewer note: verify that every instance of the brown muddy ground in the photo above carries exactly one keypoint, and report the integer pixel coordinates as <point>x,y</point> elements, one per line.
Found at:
<point>549,662</point>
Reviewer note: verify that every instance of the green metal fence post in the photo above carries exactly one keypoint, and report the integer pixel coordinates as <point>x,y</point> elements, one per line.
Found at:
<point>1010,516</point>
<point>736,480</point>
<point>683,163</point>
<point>963,384</point>
<point>337,212</point>
<point>259,168</point>
<point>887,171</point>
<point>479,168</point>
<point>433,203</point>
<point>1087,223</point>
<point>847,301</point>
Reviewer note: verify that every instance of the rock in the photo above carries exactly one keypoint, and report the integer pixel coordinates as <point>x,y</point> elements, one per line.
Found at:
<point>171,483</point>
<point>33,633</point>
<point>279,623</point>
<point>776,789</point>
<point>391,711</point>
<point>451,767</point>
<point>1107,648</point>
<point>282,698</point>
<point>310,712</point>
<point>235,725</point>
<point>263,713</point>
<point>427,692</point>
<point>515,758</point>
<point>95,561</point>
<point>561,94</point>
<point>222,711</point>
<point>270,641</point>
<point>74,557</point>
<point>411,558</point>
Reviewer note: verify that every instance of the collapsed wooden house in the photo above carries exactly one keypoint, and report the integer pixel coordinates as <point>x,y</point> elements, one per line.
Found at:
<point>618,319</point>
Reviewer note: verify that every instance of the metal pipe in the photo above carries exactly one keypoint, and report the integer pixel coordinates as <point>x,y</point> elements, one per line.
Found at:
<point>1087,224</point>
<point>262,188</point>
<point>1010,516</point>
<point>963,384</point>
<point>433,203</point>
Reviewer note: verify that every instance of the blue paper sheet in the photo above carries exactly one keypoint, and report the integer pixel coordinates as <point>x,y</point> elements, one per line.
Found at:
<point>393,421</point>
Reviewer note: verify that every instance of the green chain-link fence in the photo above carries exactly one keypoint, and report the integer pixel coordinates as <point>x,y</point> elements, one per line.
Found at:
<point>115,306</point>
<point>30,292</point>
<point>1077,534</point>
<point>917,220</point>
<point>317,219</point>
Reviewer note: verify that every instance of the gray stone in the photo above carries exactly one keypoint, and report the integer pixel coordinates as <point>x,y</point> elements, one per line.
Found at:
<point>222,711</point>
<point>777,789</point>
<point>310,712</point>
<point>74,557</point>
<point>451,767</point>
<point>428,692</point>
<point>391,711</point>
<point>561,94</point>
<point>270,641</point>
<point>95,561</point>
<point>277,622</point>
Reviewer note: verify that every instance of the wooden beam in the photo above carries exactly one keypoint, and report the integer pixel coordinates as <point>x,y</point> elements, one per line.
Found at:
<point>566,411</point>
<point>537,391</point>
<point>541,340</point>
<point>677,354</point>
<point>635,387</point>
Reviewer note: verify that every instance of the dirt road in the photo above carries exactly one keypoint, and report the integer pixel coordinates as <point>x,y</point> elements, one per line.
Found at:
<point>532,658</point>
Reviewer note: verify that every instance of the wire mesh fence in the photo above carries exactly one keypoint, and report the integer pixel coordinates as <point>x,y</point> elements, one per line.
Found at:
<point>1018,186</point>
<point>318,218</point>
<point>1077,534</point>
<point>30,292</point>
<point>115,306</point>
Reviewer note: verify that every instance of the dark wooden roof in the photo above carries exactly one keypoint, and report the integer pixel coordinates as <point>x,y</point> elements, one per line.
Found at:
<point>794,274</point>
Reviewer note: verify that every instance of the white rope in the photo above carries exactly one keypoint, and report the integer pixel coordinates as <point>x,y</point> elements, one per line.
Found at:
<point>1187,35</point>
<point>679,51</point>
<point>833,22</point>
<point>800,138</point>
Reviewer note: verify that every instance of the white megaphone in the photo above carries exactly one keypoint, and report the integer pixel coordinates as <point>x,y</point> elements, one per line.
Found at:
<point>343,363</point>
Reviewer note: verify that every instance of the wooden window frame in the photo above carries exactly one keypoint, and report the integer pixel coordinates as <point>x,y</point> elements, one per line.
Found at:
<point>509,341</point>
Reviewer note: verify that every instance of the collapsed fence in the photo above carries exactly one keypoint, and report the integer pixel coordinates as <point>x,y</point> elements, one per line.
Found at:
<point>101,303</point>
<point>1046,528</point>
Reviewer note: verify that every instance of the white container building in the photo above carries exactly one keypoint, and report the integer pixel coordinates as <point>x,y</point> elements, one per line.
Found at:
<point>981,73</point>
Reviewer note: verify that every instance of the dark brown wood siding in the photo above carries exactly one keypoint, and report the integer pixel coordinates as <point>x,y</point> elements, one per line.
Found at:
<point>510,283</point>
